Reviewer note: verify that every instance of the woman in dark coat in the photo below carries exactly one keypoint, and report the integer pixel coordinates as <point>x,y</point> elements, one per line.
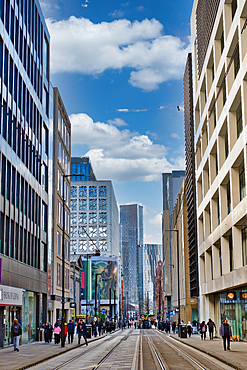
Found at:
<point>46,329</point>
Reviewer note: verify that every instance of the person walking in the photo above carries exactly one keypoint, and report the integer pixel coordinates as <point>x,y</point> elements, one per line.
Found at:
<point>57,332</point>
<point>173,326</point>
<point>211,326</point>
<point>189,328</point>
<point>100,327</point>
<point>71,330</point>
<point>82,331</point>
<point>16,332</point>
<point>203,330</point>
<point>226,333</point>
<point>46,332</point>
<point>50,330</point>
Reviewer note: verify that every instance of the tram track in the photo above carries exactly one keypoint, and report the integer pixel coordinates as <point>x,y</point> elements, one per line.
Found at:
<point>84,353</point>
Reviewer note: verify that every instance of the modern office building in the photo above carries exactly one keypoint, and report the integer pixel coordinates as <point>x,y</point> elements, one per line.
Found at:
<point>190,183</point>
<point>171,185</point>
<point>60,154</point>
<point>94,227</point>
<point>219,61</point>
<point>131,247</point>
<point>152,254</point>
<point>180,262</point>
<point>24,160</point>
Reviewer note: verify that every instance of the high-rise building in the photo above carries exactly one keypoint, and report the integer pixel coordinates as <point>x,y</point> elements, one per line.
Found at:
<point>190,177</point>
<point>60,152</point>
<point>171,185</point>
<point>152,254</point>
<point>131,247</point>
<point>94,226</point>
<point>24,161</point>
<point>219,39</point>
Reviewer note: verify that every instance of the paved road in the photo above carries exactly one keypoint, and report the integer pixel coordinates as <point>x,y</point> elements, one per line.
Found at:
<point>135,350</point>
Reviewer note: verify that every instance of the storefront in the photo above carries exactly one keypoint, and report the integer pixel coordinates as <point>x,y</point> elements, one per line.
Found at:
<point>10,308</point>
<point>232,305</point>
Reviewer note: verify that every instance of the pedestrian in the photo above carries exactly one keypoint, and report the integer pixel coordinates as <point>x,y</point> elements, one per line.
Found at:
<point>46,332</point>
<point>57,332</point>
<point>16,332</point>
<point>173,326</point>
<point>203,330</point>
<point>71,330</point>
<point>100,327</point>
<point>50,330</point>
<point>82,331</point>
<point>122,325</point>
<point>103,328</point>
<point>211,326</point>
<point>65,331</point>
<point>189,328</point>
<point>135,324</point>
<point>226,333</point>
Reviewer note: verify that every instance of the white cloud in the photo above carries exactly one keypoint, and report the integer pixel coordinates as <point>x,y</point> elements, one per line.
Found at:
<point>78,45</point>
<point>162,107</point>
<point>84,5</point>
<point>140,8</point>
<point>175,136</point>
<point>117,13</point>
<point>117,122</point>
<point>156,221</point>
<point>121,155</point>
<point>125,110</point>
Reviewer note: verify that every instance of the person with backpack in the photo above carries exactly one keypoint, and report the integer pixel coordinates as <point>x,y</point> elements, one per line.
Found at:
<point>211,326</point>
<point>16,332</point>
<point>203,330</point>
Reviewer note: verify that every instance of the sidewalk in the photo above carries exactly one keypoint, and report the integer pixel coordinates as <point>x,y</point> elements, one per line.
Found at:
<point>35,352</point>
<point>236,357</point>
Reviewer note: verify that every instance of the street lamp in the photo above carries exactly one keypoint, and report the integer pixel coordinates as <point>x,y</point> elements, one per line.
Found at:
<point>177,231</point>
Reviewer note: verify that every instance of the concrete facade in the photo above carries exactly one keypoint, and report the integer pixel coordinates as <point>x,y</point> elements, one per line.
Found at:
<point>220,96</point>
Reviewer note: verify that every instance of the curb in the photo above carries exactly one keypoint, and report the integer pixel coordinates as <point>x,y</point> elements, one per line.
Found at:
<point>208,353</point>
<point>56,354</point>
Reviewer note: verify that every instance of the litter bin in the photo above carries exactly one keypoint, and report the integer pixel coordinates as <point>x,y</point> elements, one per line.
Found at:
<point>183,332</point>
<point>89,331</point>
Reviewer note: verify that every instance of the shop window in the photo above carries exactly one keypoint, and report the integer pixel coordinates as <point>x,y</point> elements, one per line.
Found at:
<point>244,245</point>
<point>242,187</point>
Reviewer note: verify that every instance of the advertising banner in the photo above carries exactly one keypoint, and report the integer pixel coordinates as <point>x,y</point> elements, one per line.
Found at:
<point>108,278</point>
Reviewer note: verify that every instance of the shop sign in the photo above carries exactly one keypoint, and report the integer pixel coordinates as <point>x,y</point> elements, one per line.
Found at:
<point>231,296</point>
<point>10,296</point>
<point>244,295</point>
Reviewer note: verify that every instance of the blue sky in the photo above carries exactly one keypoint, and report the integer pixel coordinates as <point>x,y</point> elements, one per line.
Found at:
<point>119,67</point>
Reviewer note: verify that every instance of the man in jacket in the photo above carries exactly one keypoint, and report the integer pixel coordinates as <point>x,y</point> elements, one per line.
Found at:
<point>16,332</point>
<point>226,333</point>
<point>71,330</point>
<point>82,331</point>
<point>211,326</point>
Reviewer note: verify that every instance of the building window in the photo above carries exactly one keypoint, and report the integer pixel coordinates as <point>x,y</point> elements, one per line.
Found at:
<point>234,7</point>
<point>82,232</point>
<point>228,197</point>
<point>102,204</point>
<point>82,191</point>
<point>46,59</point>
<point>73,204</point>
<point>102,191</point>
<point>82,204</point>
<point>73,218</point>
<point>3,175</point>
<point>102,218</point>
<point>73,191</point>
<point>93,231</point>
<point>82,245</point>
<point>73,231</point>
<point>230,253</point>
<point>43,257</point>
<point>239,120</point>
<point>103,231</point>
<point>82,218</point>
<point>236,61</point>
<point>8,180</point>
<point>1,232</point>
<point>242,188</point>
<point>92,218</point>
<point>92,204</point>
<point>6,246</point>
<point>92,191</point>
<point>46,142</point>
<point>244,245</point>
<point>44,217</point>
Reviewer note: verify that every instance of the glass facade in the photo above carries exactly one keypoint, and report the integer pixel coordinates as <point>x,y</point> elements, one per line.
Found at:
<point>233,307</point>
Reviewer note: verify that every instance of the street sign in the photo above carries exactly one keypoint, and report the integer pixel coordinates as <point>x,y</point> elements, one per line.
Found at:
<point>103,310</point>
<point>72,304</point>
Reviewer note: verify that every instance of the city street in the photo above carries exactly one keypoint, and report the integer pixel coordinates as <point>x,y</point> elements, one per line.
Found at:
<point>136,350</point>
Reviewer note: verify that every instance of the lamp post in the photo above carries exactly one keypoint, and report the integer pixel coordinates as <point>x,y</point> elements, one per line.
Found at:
<point>177,231</point>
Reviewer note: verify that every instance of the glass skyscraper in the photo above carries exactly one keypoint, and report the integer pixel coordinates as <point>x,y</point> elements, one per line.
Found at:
<point>131,247</point>
<point>24,164</point>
